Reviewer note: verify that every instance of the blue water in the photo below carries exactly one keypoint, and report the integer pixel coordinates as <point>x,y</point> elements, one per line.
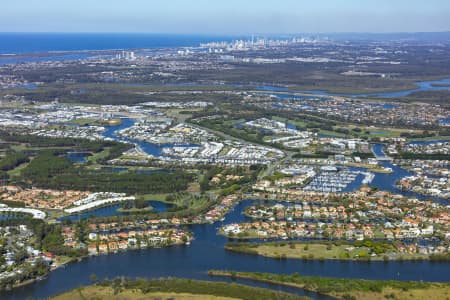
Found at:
<point>389,106</point>
<point>378,149</point>
<point>206,252</point>
<point>139,171</point>
<point>28,86</point>
<point>77,157</point>
<point>46,42</point>
<point>356,184</point>
<point>386,182</point>
<point>111,210</point>
<point>272,88</point>
<point>75,46</point>
<point>428,142</point>
<point>149,148</point>
<point>4,217</point>
<point>445,121</point>
<point>291,126</point>
<point>422,86</point>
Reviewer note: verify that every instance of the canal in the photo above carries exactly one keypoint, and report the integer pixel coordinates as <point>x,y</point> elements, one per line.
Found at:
<point>207,252</point>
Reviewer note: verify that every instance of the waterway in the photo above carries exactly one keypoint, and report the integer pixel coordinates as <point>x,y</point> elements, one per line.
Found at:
<point>386,181</point>
<point>422,86</point>
<point>206,252</point>
<point>5,217</point>
<point>149,148</point>
<point>113,210</point>
<point>77,157</point>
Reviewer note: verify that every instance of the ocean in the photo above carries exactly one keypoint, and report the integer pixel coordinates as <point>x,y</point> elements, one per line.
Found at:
<point>22,43</point>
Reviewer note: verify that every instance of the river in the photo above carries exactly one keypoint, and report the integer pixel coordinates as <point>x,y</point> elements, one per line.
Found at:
<point>422,86</point>
<point>206,252</point>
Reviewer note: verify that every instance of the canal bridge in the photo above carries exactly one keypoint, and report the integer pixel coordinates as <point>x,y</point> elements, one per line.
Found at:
<point>383,158</point>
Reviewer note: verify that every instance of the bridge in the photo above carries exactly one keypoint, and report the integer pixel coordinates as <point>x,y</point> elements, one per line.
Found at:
<point>383,158</point>
<point>380,155</point>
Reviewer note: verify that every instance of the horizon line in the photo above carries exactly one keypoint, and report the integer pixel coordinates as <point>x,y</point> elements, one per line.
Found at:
<point>222,34</point>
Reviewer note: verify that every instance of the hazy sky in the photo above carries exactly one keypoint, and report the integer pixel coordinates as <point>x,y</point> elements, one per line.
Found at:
<point>225,16</point>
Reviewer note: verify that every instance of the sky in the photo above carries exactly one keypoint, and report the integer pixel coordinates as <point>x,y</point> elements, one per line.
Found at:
<point>224,17</point>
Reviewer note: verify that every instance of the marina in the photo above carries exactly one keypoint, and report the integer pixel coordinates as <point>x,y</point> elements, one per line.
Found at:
<point>206,252</point>
<point>332,179</point>
<point>319,158</point>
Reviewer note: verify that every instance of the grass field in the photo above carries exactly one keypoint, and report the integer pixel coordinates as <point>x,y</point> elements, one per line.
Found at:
<point>435,292</point>
<point>318,251</point>
<point>99,155</point>
<point>100,293</point>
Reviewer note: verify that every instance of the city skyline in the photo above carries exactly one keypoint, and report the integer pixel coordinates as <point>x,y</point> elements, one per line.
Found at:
<point>233,17</point>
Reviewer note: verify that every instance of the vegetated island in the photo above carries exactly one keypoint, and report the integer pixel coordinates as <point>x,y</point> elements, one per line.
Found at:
<point>343,288</point>
<point>172,288</point>
<point>335,250</point>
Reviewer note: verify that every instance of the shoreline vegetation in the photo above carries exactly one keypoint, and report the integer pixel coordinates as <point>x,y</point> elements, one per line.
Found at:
<point>173,288</point>
<point>71,260</point>
<point>348,289</point>
<point>333,250</point>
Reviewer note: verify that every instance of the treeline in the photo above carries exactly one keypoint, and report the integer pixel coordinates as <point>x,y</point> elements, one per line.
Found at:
<point>50,239</point>
<point>108,94</point>
<point>416,135</point>
<point>245,133</point>
<point>424,156</point>
<point>130,183</point>
<point>248,174</point>
<point>440,257</point>
<point>47,237</point>
<point>28,272</point>
<point>3,175</point>
<point>48,170</point>
<point>318,154</point>
<point>40,141</point>
<point>219,289</point>
<point>328,285</point>
<point>12,160</point>
<point>363,155</point>
<point>172,212</point>
<point>116,148</point>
